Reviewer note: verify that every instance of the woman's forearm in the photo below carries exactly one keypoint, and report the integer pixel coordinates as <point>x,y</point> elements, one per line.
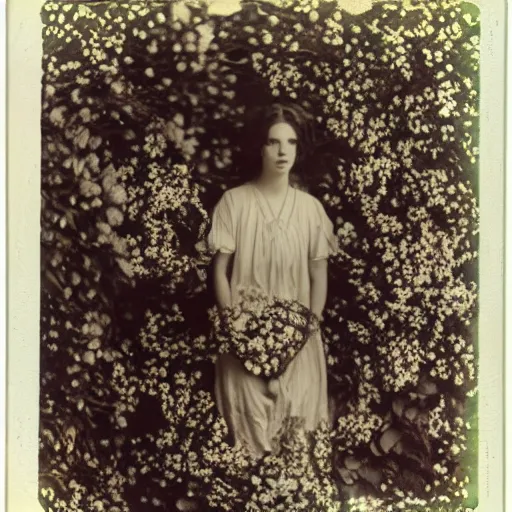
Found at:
<point>222,291</point>
<point>318,276</point>
<point>221,282</point>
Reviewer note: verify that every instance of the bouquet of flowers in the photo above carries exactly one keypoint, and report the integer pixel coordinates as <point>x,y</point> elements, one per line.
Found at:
<point>264,332</point>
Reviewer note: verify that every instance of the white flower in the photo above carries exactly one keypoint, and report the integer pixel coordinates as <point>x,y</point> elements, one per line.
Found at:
<point>89,357</point>
<point>89,188</point>
<point>455,449</point>
<point>117,194</point>
<point>114,216</point>
<point>57,116</point>
<point>274,20</point>
<point>121,421</point>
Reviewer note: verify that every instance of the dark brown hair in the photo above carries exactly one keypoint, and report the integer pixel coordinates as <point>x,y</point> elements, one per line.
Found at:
<point>255,134</point>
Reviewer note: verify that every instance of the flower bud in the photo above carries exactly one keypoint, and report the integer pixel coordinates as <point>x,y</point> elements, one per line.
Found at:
<point>313,16</point>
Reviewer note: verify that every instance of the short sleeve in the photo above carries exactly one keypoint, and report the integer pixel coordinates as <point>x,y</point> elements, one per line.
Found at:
<point>322,240</point>
<point>223,227</point>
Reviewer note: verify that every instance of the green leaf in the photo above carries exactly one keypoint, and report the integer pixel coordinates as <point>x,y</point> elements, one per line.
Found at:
<point>374,476</point>
<point>458,406</point>
<point>411,413</point>
<point>82,138</point>
<point>347,476</point>
<point>389,439</point>
<point>352,463</point>
<point>427,387</point>
<point>186,505</point>
<point>387,423</point>
<point>398,448</point>
<point>51,277</point>
<point>261,12</point>
<point>375,449</point>
<point>70,219</point>
<point>78,165</point>
<point>71,437</point>
<point>416,457</point>
<point>398,406</point>
<point>95,142</point>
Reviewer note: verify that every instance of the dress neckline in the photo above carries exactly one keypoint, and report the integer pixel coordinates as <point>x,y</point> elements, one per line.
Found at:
<point>266,208</point>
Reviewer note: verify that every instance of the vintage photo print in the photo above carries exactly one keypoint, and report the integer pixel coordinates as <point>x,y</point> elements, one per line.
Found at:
<point>260,256</point>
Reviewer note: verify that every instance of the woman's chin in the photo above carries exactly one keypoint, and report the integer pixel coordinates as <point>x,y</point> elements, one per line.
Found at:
<point>278,172</point>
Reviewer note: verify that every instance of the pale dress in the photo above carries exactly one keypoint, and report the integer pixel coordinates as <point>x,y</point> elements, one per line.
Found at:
<point>272,252</point>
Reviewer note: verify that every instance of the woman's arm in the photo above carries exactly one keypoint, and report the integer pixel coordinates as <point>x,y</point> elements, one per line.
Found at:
<point>318,277</point>
<point>220,279</point>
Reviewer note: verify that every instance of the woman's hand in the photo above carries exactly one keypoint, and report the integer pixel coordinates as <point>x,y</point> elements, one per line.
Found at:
<point>220,279</point>
<point>318,278</point>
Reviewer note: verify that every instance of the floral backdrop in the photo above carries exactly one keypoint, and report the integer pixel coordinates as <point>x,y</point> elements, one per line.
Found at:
<point>143,109</point>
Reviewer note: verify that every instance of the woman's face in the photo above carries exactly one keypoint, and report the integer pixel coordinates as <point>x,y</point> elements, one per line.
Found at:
<point>280,150</point>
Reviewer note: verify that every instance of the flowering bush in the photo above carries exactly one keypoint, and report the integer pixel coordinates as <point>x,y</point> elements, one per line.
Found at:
<point>173,223</point>
<point>264,333</point>
<point>143,106</point>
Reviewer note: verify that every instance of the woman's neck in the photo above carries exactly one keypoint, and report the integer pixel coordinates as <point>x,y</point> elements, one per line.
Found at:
<point>273,184</point>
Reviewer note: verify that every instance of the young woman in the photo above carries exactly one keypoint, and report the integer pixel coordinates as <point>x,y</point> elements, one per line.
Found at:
<point>277,238</point>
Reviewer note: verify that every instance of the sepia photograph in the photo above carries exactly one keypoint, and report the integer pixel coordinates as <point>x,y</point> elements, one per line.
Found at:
<point>259,256</point>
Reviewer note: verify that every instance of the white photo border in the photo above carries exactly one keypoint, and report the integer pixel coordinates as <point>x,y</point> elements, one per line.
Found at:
<point>24,54</point>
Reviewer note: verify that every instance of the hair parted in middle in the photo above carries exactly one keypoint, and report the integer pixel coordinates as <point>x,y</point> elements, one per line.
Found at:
<point>255,134</point>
